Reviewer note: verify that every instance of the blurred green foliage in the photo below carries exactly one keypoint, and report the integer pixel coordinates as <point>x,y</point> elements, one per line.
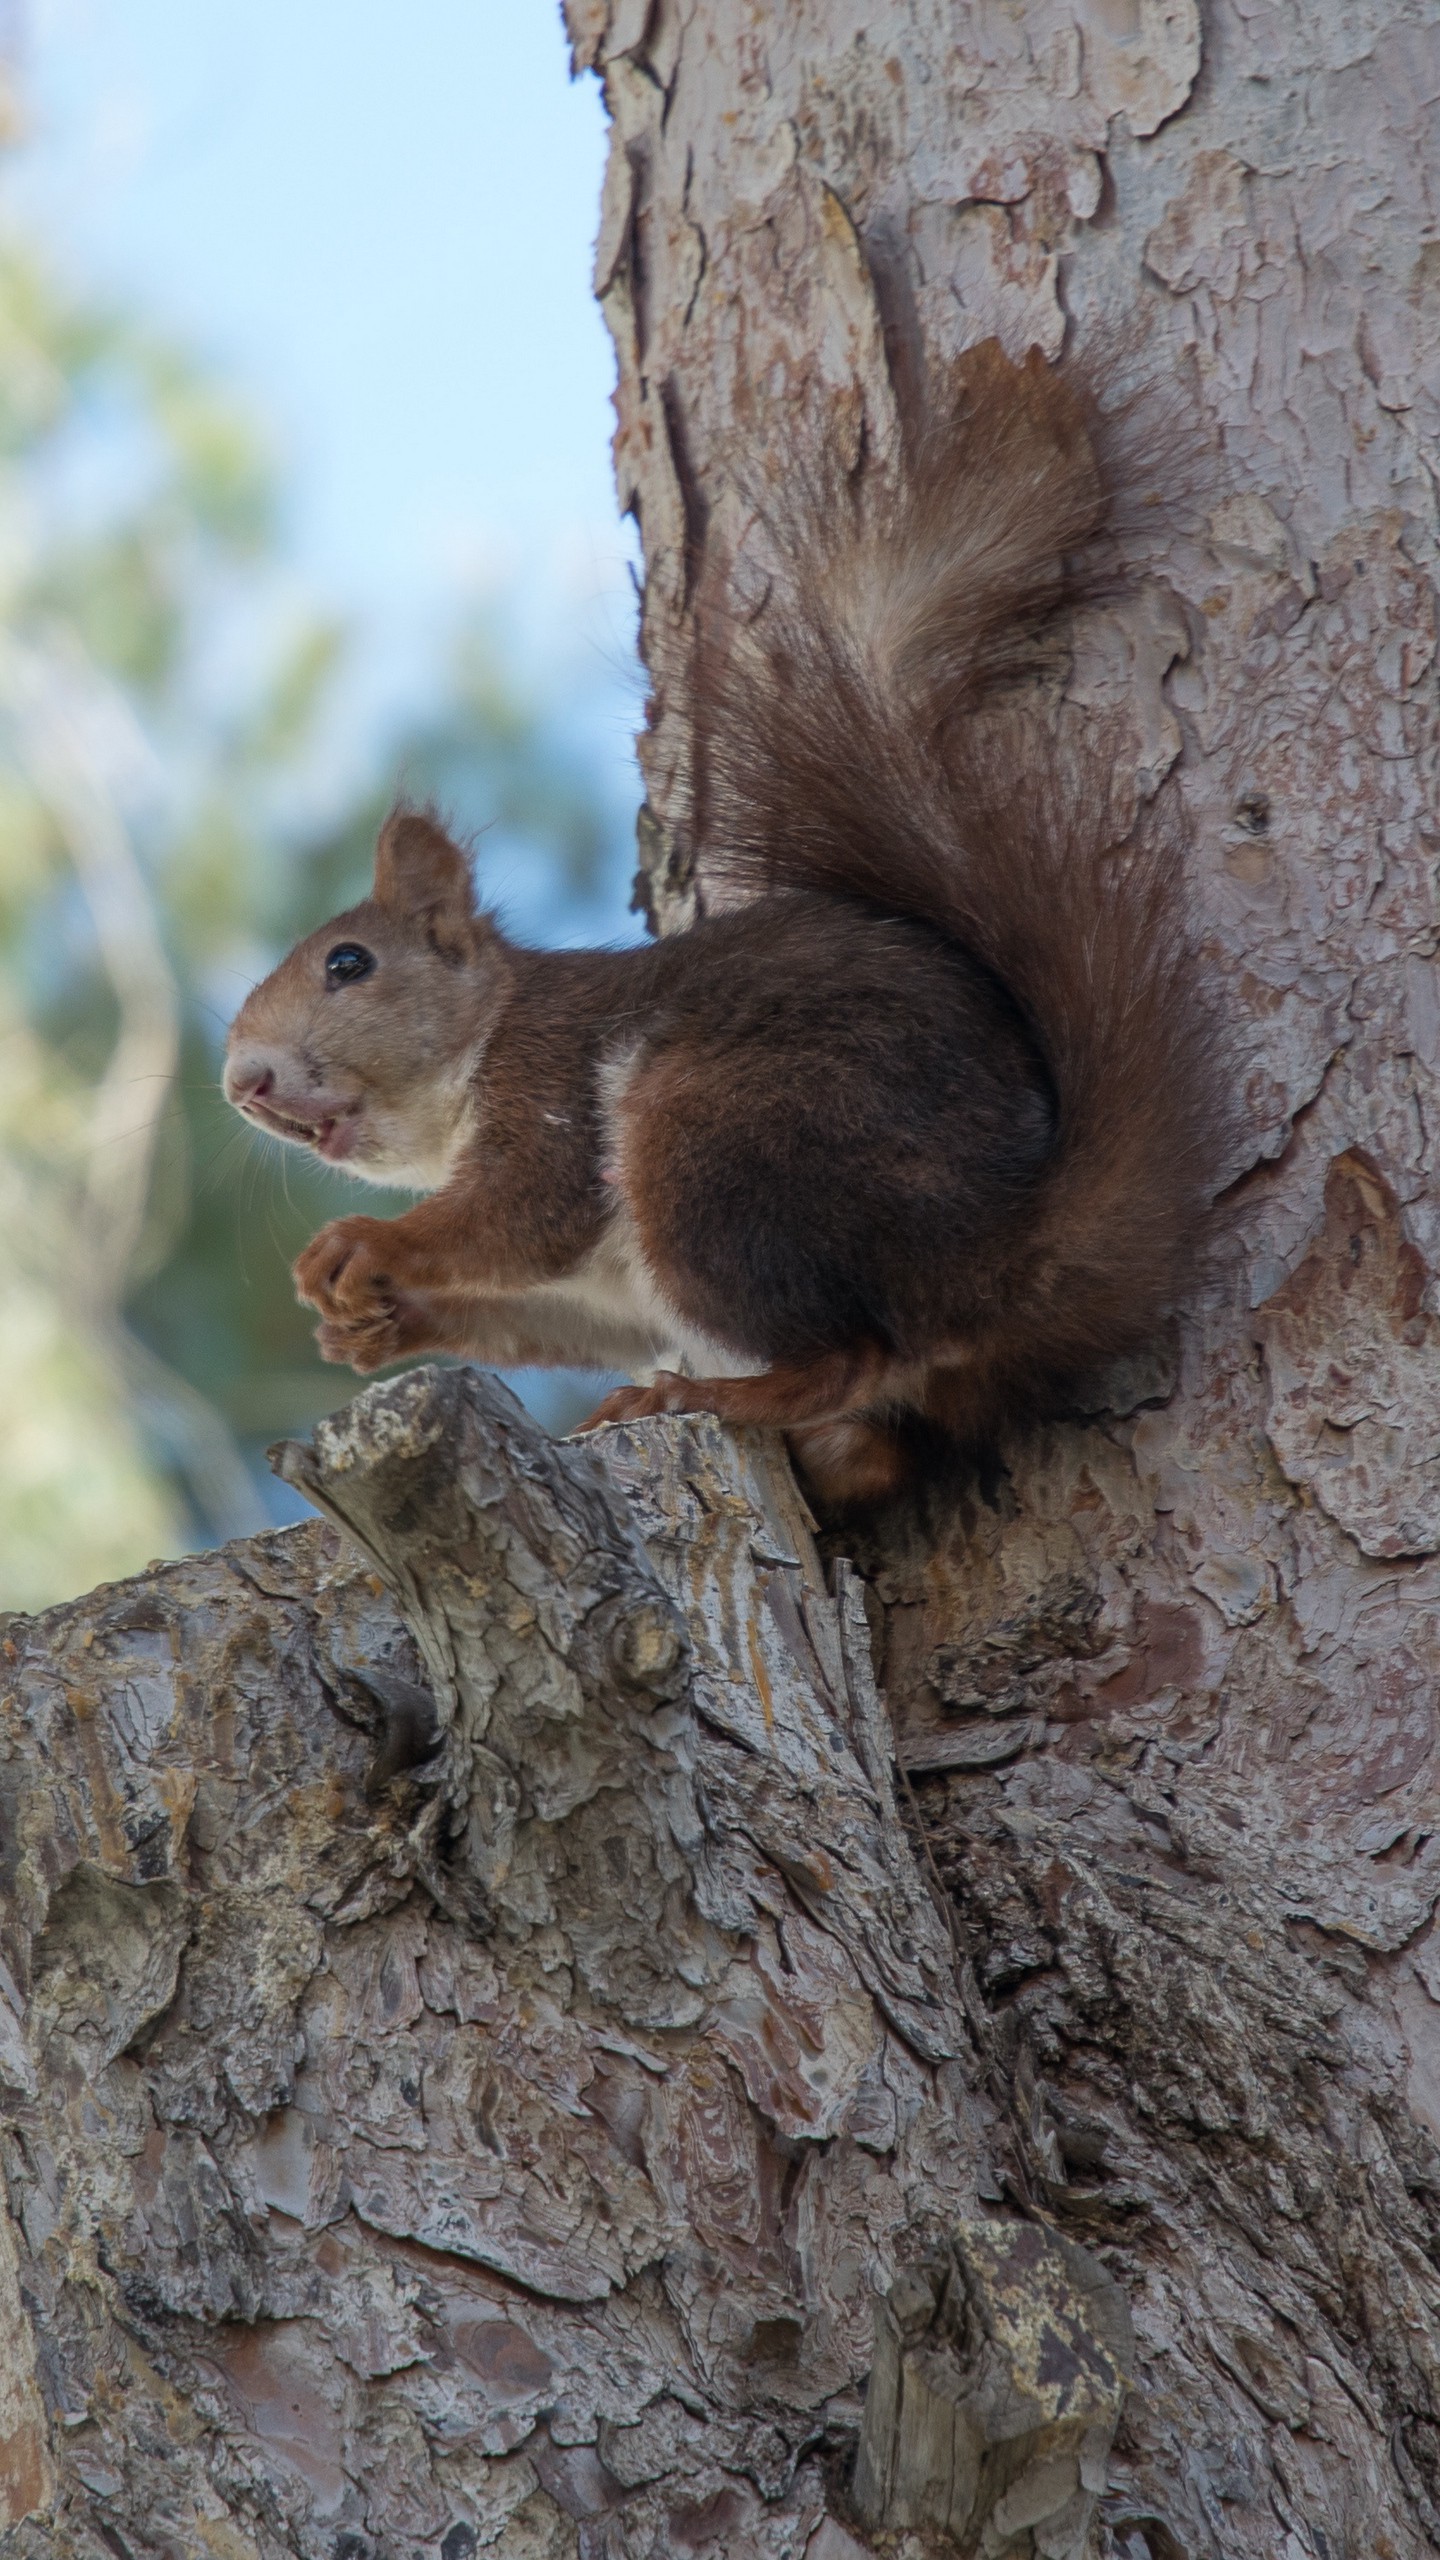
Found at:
<point>163,720</point>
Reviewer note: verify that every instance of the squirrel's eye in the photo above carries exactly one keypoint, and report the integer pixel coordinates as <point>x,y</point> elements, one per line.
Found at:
<point>347,962</point>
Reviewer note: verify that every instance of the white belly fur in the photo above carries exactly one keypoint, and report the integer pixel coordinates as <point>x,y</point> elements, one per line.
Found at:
<point>617,1276</point>
<point>617,1292</point>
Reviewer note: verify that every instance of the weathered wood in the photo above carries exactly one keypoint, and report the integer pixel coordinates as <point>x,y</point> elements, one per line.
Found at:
<point>469,2064</point>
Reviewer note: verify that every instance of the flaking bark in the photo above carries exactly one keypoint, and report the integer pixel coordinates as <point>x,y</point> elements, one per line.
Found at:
<point>1172,1670</point>
<point>469,2064</point>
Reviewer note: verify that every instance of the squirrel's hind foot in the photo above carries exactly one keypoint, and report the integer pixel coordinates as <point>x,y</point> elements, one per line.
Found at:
<point>833,1387</point>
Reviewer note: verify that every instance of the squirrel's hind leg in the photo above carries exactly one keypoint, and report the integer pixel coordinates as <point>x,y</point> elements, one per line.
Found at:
<point>832,1387</point>
<point>850,1461</point>
<point>845,1456</point>
<point>845,1453</point>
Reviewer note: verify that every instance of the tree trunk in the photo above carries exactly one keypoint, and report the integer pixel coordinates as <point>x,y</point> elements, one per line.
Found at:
<point>489,2071</point>
<point>1174,1675</point>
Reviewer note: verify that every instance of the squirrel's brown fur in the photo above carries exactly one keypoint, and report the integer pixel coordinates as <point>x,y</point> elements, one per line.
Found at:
<point>927,1126</point>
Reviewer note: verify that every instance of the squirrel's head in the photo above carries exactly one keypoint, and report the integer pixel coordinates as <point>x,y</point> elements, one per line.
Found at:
<point>363,1043</point>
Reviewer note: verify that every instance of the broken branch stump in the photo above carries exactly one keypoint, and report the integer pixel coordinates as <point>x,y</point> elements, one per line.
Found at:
<point>476,2041</point>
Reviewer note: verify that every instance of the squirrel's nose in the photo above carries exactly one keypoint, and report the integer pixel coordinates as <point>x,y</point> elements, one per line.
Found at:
<point>249,1084</point>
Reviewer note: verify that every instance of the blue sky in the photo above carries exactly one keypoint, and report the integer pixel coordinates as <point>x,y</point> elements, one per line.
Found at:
<point>378,223</point>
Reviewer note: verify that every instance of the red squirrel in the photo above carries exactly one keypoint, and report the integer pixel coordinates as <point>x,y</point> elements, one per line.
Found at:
<point>926,1126</point>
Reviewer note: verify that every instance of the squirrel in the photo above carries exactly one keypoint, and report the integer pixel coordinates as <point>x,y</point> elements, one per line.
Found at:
<point>908,1139</point>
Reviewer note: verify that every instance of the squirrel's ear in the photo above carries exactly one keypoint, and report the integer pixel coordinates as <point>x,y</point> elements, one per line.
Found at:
<point>419,872</point>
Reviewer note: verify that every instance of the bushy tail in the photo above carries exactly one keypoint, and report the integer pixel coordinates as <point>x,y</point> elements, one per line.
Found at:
<point>866,738</point>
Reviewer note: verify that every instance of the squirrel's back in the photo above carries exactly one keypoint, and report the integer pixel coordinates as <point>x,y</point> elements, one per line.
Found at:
<point>866,737</point>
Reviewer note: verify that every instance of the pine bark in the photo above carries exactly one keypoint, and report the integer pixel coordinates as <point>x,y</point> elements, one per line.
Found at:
<point>489,2064</point>
<point>475,2034</point>
<point>1167,1686</point>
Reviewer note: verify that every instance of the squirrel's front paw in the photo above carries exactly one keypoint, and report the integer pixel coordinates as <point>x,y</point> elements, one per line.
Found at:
<point>343,1271</point>
<point>393,1332</point>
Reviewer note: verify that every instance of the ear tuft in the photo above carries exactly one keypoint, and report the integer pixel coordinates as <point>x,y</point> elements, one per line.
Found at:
<point>420,872</point>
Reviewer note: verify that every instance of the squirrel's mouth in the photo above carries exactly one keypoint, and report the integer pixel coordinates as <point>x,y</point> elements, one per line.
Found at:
<point>332,1134</point>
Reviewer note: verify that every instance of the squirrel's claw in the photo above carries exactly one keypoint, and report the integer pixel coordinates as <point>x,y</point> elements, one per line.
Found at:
<point>340,1271</point>
<point>366,1321</point>
<point>354,1346</point>
<point>666,1393</point>
<point>399,1327</point>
